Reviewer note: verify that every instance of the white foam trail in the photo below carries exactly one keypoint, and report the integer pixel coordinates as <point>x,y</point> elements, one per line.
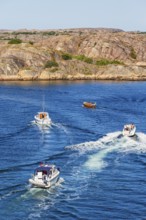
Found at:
<point>31,191</point>
<point>96,161</point>
<point>142,137</point>
<point>38,192</point>
<point>62,127</point>
<point>112,142</point>
<point>93,145</point>
<point>43,128</point>
<point>123,144</point>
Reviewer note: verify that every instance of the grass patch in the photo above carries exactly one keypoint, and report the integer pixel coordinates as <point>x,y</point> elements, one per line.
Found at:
<point>24,33</point>
<point>142,32</point>
<point>84,58</point>
<point>15,41</point>
<point>133,53</point>
<point>104,62</point>
<point>50,64</point>
<point>31,42</point>
<point>66,56</point>
<point>49,33</point>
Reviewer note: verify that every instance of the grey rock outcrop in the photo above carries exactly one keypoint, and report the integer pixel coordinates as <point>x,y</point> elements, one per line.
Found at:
<point>27,60</point>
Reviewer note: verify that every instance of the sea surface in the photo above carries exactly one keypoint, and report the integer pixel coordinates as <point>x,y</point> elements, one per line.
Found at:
<point>103,174</point>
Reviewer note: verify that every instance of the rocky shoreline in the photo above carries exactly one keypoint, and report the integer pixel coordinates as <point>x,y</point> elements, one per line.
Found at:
<point>77,54</point>
<point>131,73</point>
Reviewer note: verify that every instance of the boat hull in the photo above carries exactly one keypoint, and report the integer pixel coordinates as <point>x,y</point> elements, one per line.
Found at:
<point>89,105</point>
<point>43,121</point>
<point>42,184</point>
<point>129,133</point>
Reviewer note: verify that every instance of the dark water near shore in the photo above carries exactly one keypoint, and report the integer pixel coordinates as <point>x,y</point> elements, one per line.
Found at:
<point>103,175</point>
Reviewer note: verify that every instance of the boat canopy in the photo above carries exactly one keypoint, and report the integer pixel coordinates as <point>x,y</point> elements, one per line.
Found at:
<point>44,168</point>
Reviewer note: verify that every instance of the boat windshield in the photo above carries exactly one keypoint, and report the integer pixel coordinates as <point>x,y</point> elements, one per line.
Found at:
<point>44,170</point>
<point>129,127</point>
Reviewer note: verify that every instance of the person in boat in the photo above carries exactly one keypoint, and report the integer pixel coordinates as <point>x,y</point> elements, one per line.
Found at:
<point>41,116</point>
<point>132,126</point>
<point>45,178</point>
<point>41,164</point>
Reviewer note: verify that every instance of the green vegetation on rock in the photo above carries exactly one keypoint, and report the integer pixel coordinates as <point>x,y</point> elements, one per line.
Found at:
<point>49,33</point>
<point>104,62</point>
<point>66,56</point>
<point>15,41</point>
<point>50,64</point>
<point>24,33</point>
<point>31,42</point>
<point>84,58</point>
<point>133,53</point>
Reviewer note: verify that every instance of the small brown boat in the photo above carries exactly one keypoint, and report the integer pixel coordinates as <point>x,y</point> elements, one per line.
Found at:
<point>89,105</point>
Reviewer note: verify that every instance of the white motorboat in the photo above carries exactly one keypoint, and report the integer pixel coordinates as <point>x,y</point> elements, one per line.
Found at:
<point>45,176</point>
<point>129,130</point>
<point>42,118</point>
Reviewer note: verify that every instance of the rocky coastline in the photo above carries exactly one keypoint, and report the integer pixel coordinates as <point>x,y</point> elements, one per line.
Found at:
<point>73,54</point>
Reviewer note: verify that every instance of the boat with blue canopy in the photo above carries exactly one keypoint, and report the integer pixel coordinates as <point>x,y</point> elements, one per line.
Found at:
<point>45,176</point>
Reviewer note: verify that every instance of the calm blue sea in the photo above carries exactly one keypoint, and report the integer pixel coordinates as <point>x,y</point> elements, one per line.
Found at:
<point>103,174</point>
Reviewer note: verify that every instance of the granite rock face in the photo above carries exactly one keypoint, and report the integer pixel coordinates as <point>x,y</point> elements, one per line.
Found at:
<point>29,59</point>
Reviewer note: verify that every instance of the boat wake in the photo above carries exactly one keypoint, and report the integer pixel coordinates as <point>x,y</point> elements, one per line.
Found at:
<point>61,127</point>
<point>42,128</point>
<point>40,193</point>
<point>52,125</point>
<point>112,142</point>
